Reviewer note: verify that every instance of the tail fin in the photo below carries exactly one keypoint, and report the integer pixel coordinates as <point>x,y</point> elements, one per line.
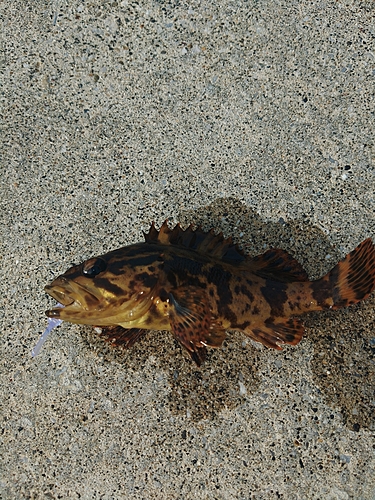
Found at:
<point>351,280</point>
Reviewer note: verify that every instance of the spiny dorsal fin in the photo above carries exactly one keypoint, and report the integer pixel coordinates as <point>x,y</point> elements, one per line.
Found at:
<point>208,243</point>
<point>277,265</point>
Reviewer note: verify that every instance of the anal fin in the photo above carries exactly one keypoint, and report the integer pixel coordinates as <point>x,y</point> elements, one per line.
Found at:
<point>272,334</point>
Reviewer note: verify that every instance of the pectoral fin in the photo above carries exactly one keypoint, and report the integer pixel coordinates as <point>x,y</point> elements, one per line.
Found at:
<point>190,319</point>
<point>198,355</point>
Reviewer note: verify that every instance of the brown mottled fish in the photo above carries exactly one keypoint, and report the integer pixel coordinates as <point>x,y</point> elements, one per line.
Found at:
<point>199,285</point>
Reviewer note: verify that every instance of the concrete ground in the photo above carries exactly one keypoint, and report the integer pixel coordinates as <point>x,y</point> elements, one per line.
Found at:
<point>251,117</point>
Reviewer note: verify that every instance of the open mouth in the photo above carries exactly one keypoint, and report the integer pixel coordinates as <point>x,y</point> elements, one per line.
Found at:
<point>59,294</point>
<point>72,297</point>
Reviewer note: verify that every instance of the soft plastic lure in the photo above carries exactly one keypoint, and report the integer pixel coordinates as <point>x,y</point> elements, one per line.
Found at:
<point>52,323</point>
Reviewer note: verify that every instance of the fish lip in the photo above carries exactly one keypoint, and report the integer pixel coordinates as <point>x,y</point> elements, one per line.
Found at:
<point>64,291</point>
<point>54,313</point>
<point>59,294</point>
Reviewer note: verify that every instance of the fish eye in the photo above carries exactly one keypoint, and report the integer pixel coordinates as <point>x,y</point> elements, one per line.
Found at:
<point>93,267</point>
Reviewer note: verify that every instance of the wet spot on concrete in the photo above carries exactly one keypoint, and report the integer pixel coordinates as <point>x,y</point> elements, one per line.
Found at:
<point>343,364</point>
<point>201,393</point>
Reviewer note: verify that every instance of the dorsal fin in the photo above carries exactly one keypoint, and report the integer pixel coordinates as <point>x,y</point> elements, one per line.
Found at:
<point>274,264</point>
<point>278,265</point>
<point>208,243</point>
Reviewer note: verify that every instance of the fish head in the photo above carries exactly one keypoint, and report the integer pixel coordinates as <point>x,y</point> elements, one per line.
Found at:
<point>114,288</point>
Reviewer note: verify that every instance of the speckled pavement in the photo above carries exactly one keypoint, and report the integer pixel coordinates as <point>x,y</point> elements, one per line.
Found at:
<point>252,117</point>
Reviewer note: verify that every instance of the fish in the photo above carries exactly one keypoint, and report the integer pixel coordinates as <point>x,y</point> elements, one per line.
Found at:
<point>200,286</point>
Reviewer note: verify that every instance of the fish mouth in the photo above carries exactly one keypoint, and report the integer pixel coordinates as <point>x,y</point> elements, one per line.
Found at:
<point>69,295</point>
<point>62,297</point>
<point>60,294</point>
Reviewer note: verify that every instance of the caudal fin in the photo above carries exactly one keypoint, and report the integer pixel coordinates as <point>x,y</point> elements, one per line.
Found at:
<point>351,280</point>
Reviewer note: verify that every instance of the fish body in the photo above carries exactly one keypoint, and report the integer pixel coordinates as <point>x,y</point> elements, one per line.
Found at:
<point>199,285</point>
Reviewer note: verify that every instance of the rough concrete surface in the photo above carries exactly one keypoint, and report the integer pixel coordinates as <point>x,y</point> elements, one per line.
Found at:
<point>252,117</point>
